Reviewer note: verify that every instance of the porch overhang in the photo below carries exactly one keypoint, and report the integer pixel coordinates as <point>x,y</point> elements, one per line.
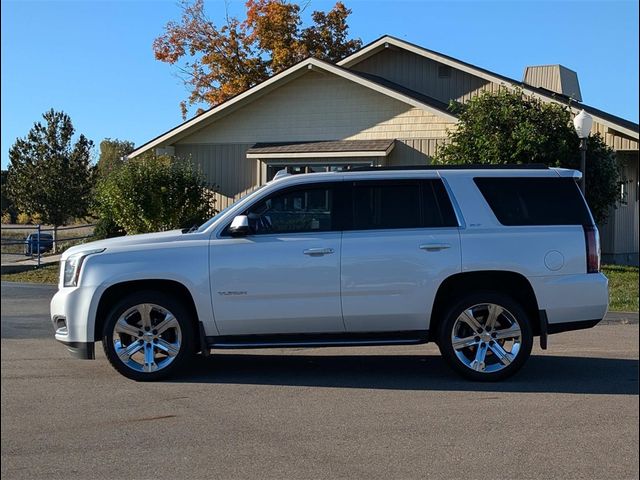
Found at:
<point>325,149</point>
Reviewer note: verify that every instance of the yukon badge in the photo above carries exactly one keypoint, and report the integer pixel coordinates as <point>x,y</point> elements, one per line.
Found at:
<point>233,292</point>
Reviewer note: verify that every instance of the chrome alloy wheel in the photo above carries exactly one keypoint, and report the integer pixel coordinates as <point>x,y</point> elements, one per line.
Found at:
<point>147,337</point>
<point>486,338</point>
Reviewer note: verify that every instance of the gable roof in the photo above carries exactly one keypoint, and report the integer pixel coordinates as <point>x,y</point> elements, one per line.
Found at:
<point>622,125</point>
<point>374,83</point>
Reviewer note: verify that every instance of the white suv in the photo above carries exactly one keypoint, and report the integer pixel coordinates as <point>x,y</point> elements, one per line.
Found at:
<point>477,260</point>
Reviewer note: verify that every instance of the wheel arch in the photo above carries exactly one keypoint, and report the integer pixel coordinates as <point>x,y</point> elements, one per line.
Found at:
<point>169,287</point>
<point>511,283</point>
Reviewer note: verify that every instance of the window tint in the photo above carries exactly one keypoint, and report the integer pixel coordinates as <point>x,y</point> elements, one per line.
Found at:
<point>535,201</point>
<point>436,206</point>
<point>401,204</point>
<point>301,209</point>
<point>386,205</point>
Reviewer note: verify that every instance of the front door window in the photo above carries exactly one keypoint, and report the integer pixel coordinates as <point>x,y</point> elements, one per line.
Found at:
<point>298,210</point>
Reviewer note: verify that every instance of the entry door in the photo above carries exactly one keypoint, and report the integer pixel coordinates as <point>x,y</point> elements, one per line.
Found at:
<point>284,277</point>
<point>404,241</point>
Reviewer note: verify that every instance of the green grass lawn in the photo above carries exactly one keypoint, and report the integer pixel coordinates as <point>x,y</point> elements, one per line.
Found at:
<point>46,274</point>
<point>623,287</point>
<point>623,283</point>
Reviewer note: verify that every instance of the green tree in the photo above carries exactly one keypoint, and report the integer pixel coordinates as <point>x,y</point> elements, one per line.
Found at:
<point>218,62</point>
<point>150,194</point>
<point>7,208</point>
<point>112,153</point>
<point>50,175</point>
<point>510,127</point>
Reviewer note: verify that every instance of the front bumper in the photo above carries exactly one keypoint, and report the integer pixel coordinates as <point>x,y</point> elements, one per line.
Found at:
<point>72,315</point>
<point>80,350</point>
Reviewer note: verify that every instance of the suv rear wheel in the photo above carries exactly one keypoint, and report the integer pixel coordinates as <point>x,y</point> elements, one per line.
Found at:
<point>486,336</point>
<point>148,336</point>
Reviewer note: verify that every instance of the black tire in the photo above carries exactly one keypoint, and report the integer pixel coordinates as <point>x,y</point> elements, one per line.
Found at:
<point>465,359</point>
<point>178,338</point>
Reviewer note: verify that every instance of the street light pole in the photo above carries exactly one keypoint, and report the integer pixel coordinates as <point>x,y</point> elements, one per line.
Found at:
<point>583,123</point>
<point>583,165</point>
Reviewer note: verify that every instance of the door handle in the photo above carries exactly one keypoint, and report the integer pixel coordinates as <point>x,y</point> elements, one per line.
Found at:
<point>434,247</point>
<point>318,251</point>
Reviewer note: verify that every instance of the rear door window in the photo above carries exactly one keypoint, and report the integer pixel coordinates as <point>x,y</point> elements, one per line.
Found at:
<point>534,201</point>
<point>436,205</point>
<point>395,204</point>
<point>386,205</point>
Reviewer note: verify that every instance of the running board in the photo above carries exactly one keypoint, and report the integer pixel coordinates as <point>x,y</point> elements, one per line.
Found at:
<point>314,340</point>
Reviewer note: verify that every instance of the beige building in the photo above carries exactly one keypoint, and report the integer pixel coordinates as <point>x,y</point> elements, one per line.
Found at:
<point>386,104</point>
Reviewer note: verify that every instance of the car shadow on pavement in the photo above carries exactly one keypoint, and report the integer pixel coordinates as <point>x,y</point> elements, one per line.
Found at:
<point>542,373</point>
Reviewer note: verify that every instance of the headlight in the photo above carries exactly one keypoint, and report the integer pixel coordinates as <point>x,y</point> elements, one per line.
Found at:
<point>73,265</point>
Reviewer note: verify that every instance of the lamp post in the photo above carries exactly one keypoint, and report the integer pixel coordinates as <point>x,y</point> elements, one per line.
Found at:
<point>582,123</point>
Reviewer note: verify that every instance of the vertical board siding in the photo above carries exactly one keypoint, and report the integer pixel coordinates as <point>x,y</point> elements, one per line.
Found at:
<point>225,167</point>
<point>614,139</point>
<point>414,151</point>
<point>556,78</point>
<point>607,234</point>
<point>546,76</point>
<point>421,74</point>
<point>619,234</point>
<point>626,224</point>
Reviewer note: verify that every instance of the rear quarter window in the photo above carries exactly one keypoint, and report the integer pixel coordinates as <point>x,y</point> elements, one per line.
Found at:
<point>534,201</point>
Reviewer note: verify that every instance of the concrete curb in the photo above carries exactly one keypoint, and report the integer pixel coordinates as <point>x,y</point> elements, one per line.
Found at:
<point>29,264</point>
<point>616,318</point>
<point>16,268</point>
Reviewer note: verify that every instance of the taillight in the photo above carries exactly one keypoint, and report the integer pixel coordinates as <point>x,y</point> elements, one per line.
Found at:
<point>592,240</point>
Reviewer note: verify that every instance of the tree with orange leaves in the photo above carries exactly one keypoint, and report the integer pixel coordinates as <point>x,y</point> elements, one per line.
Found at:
<point>217,63</point>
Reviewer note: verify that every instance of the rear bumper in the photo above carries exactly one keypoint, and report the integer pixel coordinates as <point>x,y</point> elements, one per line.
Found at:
<point>546,329</point>
<point>569,326</point>
<point>580,299</point>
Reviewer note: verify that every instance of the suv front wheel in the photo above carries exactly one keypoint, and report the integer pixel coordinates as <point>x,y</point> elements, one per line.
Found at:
<point>486,336</point>
<point>148,336</point>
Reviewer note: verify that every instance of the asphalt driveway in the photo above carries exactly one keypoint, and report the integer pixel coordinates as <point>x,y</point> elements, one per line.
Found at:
<point>386,412</point>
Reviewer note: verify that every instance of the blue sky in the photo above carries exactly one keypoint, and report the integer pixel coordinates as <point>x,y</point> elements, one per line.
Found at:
<point>93,59</point>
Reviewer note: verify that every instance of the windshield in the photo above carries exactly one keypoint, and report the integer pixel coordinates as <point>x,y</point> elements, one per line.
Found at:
<point>209,222</point>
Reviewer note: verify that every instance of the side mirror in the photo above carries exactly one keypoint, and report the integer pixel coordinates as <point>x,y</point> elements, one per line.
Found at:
<point>240,226</point>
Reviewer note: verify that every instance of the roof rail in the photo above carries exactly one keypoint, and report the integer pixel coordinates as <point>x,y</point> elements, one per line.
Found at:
<point>471,166</point>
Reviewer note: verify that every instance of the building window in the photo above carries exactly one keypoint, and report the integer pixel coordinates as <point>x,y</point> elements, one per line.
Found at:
<point>444,71</point>
<point>296,169</point>
<point>624,193</point>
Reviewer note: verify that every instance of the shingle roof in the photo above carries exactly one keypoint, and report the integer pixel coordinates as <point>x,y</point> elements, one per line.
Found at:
<point>276,80</point>
<point>341,146</point>
<point>633,126</point>
<point>383,82</point>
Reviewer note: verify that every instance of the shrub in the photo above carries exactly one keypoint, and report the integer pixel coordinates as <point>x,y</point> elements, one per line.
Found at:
<point>6,217</point>
<point>106,227</point>
<point>23,219</point>
<point>510,127</point>
<point>152,194</point>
